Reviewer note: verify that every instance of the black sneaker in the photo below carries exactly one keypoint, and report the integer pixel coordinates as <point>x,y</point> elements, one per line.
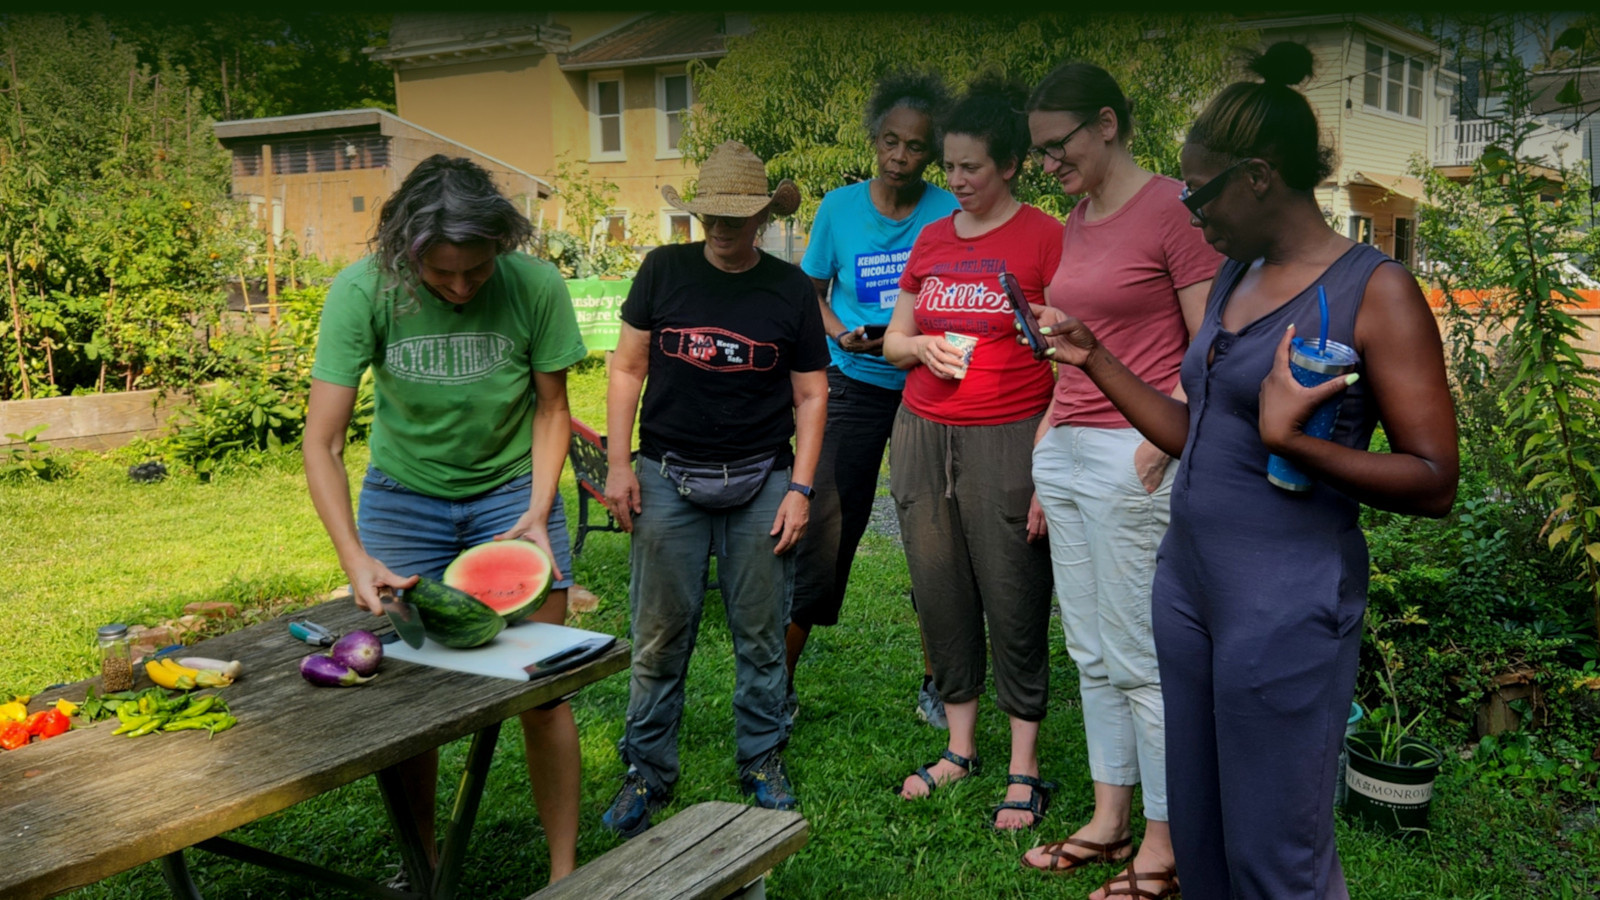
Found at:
<point>630,812</point>
<point>770,785</point>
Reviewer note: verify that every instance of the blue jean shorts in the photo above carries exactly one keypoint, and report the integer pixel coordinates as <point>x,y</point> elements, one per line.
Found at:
<point>416,534</point>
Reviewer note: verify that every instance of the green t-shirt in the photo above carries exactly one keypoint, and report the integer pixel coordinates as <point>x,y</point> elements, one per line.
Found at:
<point>454,384</point>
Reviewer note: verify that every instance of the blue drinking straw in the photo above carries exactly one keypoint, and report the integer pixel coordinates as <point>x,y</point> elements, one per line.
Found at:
<point>1322,305</point>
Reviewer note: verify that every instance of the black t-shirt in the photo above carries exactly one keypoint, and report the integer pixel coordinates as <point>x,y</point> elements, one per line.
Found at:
<point>722,346</point>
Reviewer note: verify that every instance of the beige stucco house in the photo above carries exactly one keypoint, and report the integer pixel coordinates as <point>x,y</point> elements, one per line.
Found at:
<point>605,89</point>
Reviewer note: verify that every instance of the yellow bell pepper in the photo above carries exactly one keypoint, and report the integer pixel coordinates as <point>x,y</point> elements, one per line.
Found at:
<point>67,707</point>
<point>13,712</point>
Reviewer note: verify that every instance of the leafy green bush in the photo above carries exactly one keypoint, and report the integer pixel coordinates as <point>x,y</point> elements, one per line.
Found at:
<point>29,458</point>
<point>262,406</point>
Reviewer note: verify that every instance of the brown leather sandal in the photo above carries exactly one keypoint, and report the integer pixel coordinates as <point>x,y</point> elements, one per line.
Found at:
<point>1125,884</point>
<point>1101,853</point>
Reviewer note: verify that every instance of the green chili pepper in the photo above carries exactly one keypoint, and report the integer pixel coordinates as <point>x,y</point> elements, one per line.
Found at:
<point>197,707</point>
<point>154,723</point>
<point>133,724</point>
<point>196,724</point>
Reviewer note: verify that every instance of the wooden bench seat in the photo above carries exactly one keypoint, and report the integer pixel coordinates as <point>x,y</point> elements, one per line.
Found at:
<point>709,851</point>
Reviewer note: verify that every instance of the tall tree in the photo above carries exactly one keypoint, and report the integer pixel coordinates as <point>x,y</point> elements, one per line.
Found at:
<point>794,89</point>
<point>115,222</point>
<point>249,66</point>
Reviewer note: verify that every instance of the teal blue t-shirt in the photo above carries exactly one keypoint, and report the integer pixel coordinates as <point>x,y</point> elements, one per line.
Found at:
<point>453,384</point>
<point>862,252</point>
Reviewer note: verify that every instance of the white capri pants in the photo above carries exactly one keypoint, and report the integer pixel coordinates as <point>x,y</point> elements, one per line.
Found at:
<point>1104,532</point>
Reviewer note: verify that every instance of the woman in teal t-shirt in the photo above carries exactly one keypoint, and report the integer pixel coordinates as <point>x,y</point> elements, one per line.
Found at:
<point>468,342</point>
<point>860,242</point>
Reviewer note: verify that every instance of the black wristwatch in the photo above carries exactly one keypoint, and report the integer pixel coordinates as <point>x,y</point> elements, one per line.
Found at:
<point>804,490</point>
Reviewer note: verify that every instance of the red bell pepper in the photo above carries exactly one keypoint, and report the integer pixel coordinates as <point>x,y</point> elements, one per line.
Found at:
<point>51,723</point>
<point>13,735</point>
<point>35,722</point>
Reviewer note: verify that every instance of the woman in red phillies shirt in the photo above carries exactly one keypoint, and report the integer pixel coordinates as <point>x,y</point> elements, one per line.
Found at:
<point>959,460</point>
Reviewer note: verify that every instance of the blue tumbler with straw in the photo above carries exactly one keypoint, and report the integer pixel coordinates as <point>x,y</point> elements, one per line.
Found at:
<point>1311,364</point>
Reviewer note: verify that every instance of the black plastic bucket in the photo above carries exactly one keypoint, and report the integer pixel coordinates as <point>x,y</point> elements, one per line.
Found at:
<point>1394,797</point>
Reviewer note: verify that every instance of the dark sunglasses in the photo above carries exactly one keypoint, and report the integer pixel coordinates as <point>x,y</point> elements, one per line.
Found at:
<point>1057,149</point>
<point>1195,200</point>
<point>733,222</point>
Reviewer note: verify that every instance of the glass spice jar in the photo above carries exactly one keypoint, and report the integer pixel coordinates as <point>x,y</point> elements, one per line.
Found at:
<point>116,659</point>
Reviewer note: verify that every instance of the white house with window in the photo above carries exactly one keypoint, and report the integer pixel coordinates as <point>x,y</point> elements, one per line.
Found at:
<point>1386,104</point>
<point>1382,99</point>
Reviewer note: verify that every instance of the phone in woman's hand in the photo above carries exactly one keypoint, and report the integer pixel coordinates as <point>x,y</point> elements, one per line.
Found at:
<point>875,331</point>
<point>1023,314</point>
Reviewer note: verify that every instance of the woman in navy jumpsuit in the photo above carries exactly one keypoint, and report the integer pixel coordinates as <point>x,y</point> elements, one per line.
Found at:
<point>1259,592</point>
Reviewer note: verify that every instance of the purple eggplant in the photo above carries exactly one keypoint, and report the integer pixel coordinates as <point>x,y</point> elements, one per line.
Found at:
<point>325,671</point>
<point>360,650</point>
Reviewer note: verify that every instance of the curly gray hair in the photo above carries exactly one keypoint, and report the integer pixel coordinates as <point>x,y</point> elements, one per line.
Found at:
<point>923,92</point>
<point>453,200</point>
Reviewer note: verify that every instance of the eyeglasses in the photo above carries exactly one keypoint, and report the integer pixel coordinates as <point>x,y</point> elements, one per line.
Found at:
<point>1057,149</point>
<point>734,223</point>
<point>1208,192</point>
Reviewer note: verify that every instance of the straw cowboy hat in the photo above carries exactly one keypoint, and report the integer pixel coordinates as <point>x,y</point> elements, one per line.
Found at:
<point>733,182</point>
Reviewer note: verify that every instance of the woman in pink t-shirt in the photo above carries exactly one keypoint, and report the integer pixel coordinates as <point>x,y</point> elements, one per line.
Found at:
<point>1132,267</point>
<point>958,453</point>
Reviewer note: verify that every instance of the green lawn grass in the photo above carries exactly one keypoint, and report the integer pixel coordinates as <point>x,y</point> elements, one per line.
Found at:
<point>97,548</point>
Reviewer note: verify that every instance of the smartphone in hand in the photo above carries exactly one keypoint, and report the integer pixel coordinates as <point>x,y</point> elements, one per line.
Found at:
<point>875,331</point>
<point>1023,314</point>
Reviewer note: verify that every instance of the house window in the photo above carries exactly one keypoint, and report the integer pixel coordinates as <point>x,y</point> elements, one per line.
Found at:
<point>679,227</point>
<point>605,117</point>
<point>1361,229</point>
<point>673,96</point>
<point>615,226</point>
<point>1393,82</point>
<point>1404,240</point>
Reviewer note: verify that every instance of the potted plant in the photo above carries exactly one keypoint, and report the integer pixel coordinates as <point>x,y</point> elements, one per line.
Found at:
<point>1390,774</point>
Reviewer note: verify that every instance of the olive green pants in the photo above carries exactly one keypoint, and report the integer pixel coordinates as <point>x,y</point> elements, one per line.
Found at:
<point>962,495</point>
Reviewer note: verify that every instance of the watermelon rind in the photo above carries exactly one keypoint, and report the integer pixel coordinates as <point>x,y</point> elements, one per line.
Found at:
<point>453,618</point>
<point>512,578</point>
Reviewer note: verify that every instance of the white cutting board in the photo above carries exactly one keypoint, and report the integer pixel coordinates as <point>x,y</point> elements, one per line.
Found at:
<point>504,657</point>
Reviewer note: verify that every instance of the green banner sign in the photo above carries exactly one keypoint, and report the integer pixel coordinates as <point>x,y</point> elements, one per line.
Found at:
<point>597,302</point>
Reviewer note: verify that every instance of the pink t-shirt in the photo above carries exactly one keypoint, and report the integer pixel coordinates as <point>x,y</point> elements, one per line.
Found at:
<point>1121,275</point>
<point>957,284</point>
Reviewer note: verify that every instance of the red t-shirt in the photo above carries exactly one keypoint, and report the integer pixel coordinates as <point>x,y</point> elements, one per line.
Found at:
<point>1120,275</point>
<point>957,284</point>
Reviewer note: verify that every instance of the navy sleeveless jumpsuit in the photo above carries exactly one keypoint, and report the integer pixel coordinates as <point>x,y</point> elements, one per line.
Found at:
<point>1258,602</point>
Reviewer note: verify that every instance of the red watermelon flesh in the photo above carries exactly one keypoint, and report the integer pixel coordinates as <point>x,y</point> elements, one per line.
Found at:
<point>510,577</point>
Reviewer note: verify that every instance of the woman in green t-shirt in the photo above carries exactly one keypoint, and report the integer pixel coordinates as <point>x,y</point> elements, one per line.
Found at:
<point>468,341</point>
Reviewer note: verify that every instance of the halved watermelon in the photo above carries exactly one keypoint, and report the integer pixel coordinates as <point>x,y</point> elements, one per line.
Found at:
<point>510,577</point>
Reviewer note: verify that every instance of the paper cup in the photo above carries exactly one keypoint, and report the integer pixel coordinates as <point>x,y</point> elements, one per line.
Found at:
<point>965,343</point>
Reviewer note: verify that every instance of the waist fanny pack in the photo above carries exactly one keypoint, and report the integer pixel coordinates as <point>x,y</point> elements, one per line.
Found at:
<point>717,485</point>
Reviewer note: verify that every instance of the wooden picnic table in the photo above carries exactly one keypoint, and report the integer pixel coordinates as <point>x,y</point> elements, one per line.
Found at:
<point>87,804</point>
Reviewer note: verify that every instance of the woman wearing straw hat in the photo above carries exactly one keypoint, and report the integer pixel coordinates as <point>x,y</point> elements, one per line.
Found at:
<point>731,340</point>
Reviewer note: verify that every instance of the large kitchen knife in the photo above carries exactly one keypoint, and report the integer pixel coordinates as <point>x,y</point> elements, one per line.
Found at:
<point>403,616</point>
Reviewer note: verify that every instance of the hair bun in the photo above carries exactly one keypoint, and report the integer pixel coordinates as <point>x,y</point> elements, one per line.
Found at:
<point>992,85</point>
<point>1285,63</point>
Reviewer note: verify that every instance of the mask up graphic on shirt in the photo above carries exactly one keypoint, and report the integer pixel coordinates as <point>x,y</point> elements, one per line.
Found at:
<point>717,349</point>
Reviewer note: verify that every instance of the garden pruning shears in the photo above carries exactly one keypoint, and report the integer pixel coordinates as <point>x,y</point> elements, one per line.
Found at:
<point>311,633</point>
